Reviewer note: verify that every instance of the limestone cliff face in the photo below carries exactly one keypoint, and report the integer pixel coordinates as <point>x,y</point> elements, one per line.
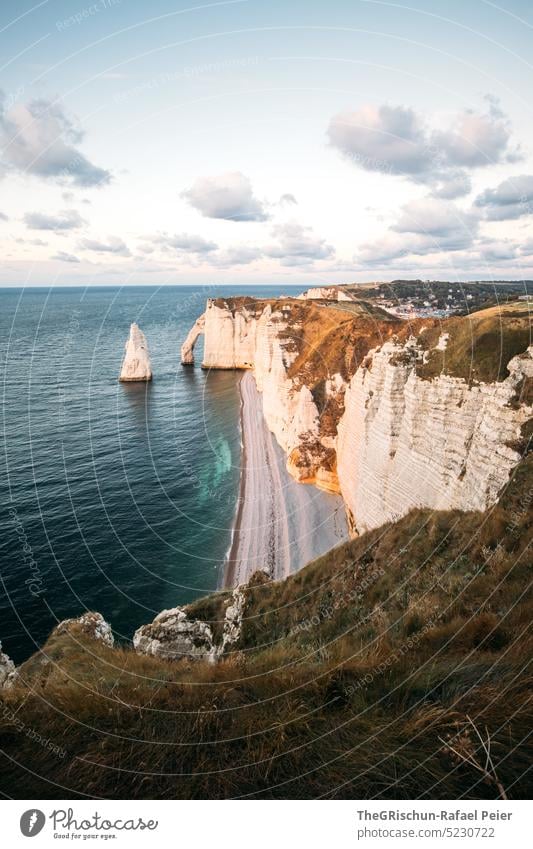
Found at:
<point>136,364</point>
<point>263,337</point>
<point>187,349</point>
<point>325,293</point>
<point>385,438</point>
<point>405,442</point>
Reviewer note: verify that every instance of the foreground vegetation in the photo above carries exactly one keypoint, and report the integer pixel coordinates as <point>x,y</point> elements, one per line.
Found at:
<point>368,674</point>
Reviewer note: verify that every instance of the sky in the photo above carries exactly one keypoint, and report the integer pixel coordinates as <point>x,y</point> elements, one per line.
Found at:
<point>255,142</point>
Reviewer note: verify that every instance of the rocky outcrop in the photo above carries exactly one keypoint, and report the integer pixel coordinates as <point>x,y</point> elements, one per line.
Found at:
<point>136,364</point>
<point>174,636</point>
<point>405,442</point>
<point>326,293</point>
<point>231,632</point>
<point>90,624</point>
<point>187,349</point>
<point>8,672</point>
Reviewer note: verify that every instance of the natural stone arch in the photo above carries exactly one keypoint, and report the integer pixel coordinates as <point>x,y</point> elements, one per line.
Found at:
<point>187,349</point>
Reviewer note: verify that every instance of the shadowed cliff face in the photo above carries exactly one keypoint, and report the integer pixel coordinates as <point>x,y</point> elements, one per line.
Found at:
<point>392,414</point>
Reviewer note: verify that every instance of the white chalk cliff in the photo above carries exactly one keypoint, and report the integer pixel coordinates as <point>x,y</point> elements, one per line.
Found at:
<point>400,441</point>
<point>405,442</point>
<point>187,355</point>
<point>254,336</point>
<point>325,293</point>
<point>136,364</point>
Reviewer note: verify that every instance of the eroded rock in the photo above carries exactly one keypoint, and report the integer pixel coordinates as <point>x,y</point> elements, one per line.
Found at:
<point>90,624</point>
<point>8,672</point>
<point>172,635</point>
<point>136,365</point>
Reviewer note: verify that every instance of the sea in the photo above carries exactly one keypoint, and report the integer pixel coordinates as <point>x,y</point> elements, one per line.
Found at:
<point>116,497</point>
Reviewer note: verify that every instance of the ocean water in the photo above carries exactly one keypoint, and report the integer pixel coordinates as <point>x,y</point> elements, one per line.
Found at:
<point>115,497</point>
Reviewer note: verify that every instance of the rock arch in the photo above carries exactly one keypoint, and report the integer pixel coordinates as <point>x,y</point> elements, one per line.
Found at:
<point>187,349</point>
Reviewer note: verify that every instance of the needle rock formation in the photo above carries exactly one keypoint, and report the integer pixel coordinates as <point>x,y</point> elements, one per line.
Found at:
<point>136,365</point>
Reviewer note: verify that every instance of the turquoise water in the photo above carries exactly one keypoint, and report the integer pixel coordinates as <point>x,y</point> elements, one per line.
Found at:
<point>115,497</point>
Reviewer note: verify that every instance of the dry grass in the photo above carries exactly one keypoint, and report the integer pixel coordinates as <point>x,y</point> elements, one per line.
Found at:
<point>348,677</point>
<point>480,345</point>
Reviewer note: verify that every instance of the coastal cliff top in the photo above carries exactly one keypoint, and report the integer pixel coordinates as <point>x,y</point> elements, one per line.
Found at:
<point>478,347</point>
<point>368,658</point>
<point>331,337</point>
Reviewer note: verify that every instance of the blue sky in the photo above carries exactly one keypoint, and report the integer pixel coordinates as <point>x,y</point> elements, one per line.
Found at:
<point>254,142</point>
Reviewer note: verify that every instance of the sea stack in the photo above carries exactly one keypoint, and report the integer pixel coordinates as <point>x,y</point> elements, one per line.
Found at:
<point>136,365</point>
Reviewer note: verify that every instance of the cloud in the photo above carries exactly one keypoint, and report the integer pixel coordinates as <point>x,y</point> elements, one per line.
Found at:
<point>64,257</point>
<point>183,242</point>
<point>386,138</point>
<point>526,248</point>
<point>455,184</point>
<point>511,199</point>
<point>443,223</point>
<point>39,138</point>
<point>395,140</point>
<point>3,217</point>
<point>237,255</point>
<point>68,219</point>
<point>229,196</point>
<point>38,242</point>
<point>423,227</point>
<point>499,251</point>
<point>297,244</point>
<point>287,200</point>
<point>114,245</point>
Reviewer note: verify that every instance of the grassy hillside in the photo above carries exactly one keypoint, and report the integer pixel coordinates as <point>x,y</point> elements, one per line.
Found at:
<point>352,679</point>
<point>480,345</point>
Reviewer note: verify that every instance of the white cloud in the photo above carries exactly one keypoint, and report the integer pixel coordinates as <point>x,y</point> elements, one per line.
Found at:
<point>396,140</point>
<point>37,242</point>
<point>113,245</point>
<point>287,200</point>
<point>296,242</point>
<point>441,221</point>
<point>39,138</point>
<point>182,242</point>
<point>509,200</point>
<point>229,196</point>
<point>498,251</point>
<point>68,219</point>
<point>65,257</point>
<point>237,255</point>
<point>425,226</point>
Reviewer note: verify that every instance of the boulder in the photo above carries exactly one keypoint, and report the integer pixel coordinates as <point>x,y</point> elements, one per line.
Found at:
<point>174,636</point>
